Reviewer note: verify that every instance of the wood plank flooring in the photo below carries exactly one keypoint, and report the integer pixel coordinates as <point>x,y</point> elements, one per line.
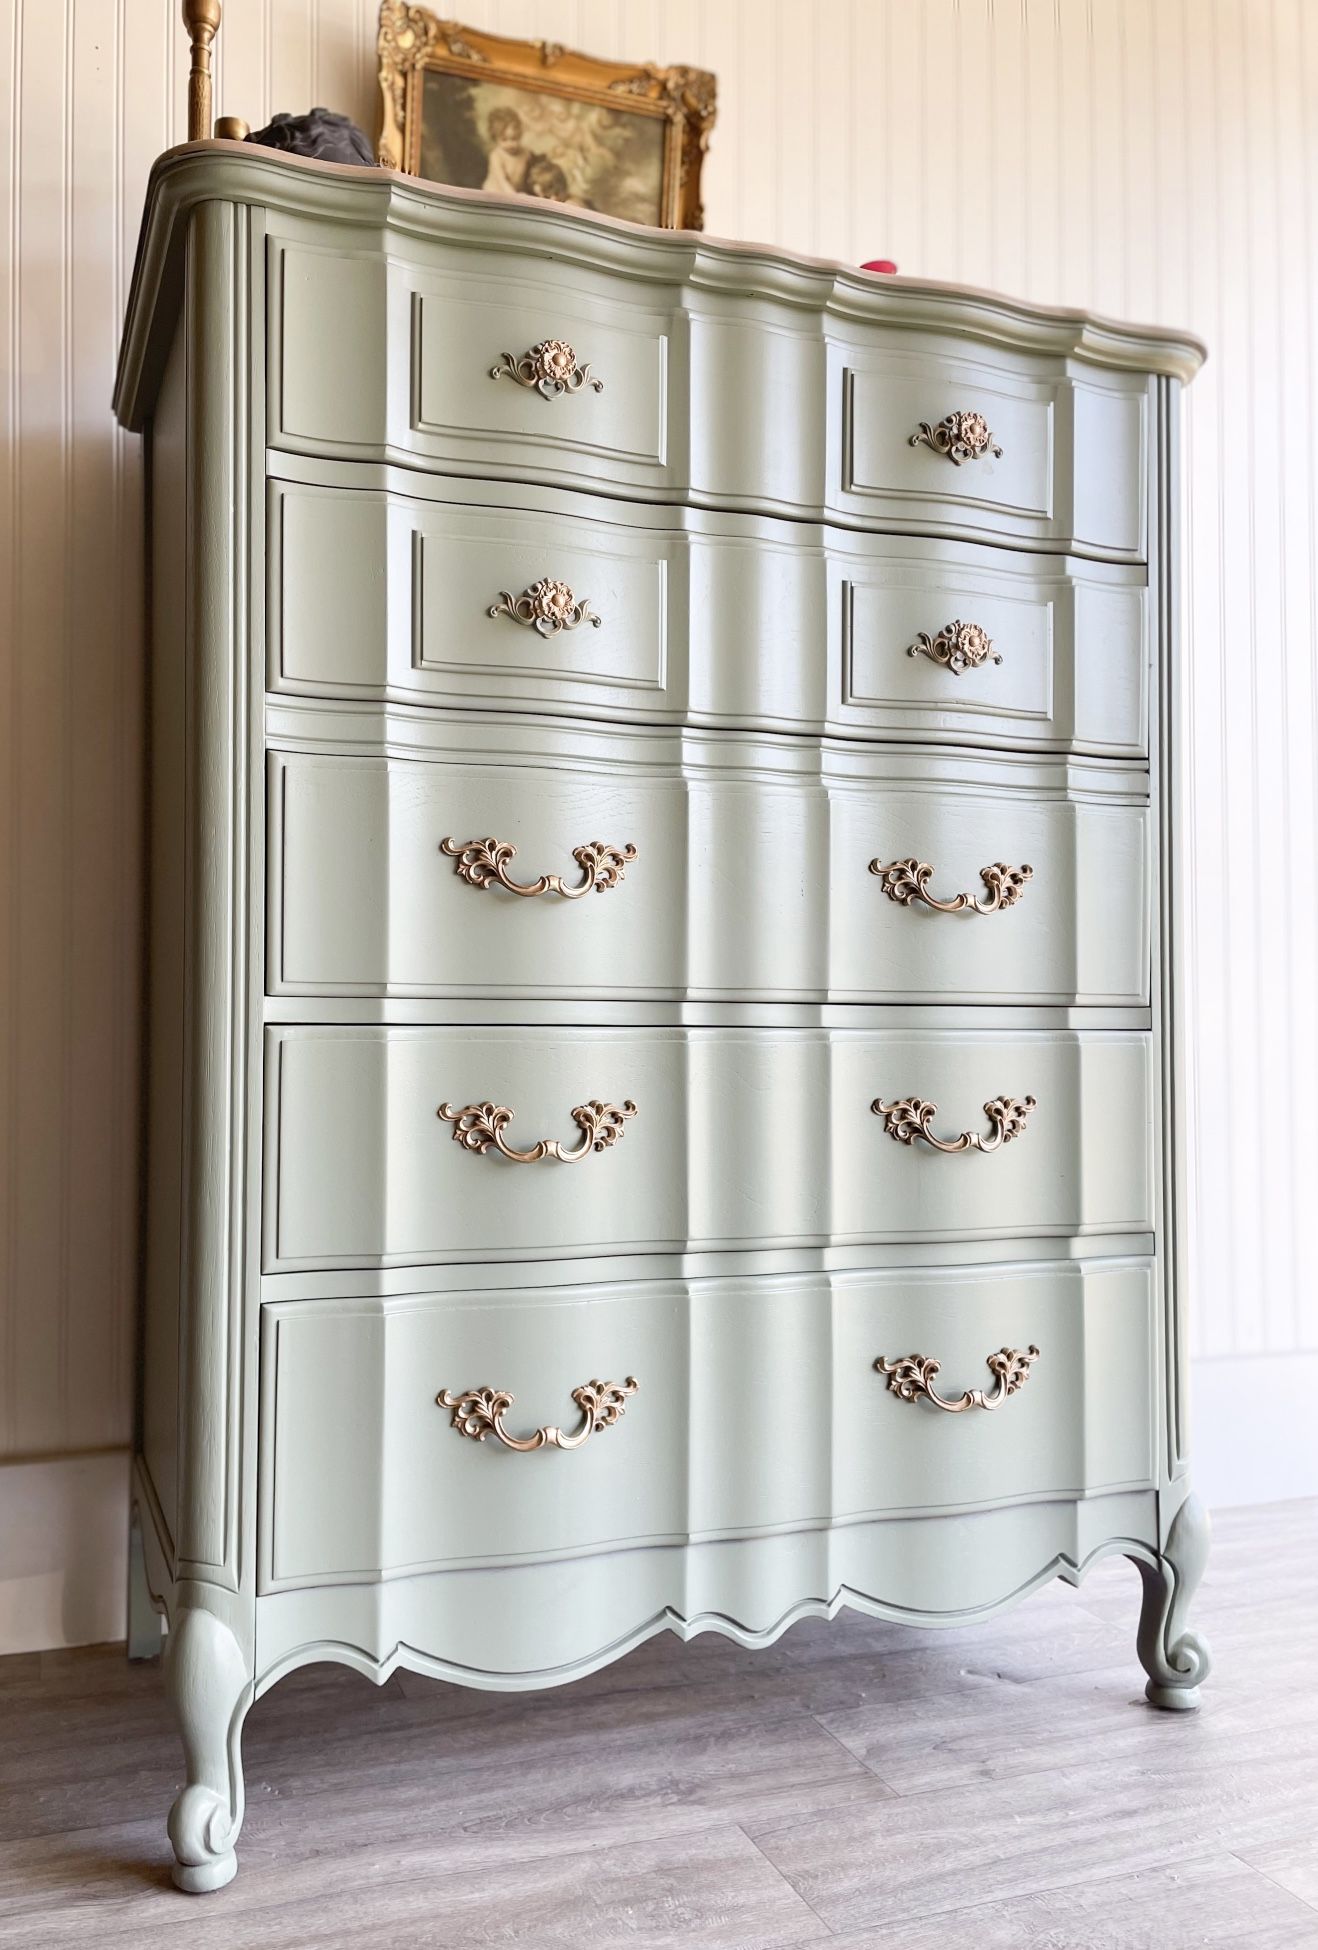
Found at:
<point>858,1785</point>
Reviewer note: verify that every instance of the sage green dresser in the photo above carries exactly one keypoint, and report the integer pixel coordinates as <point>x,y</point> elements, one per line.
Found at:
<point>664,1052</point>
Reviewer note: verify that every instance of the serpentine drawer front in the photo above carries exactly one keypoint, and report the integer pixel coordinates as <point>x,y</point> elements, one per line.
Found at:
<point>492,366</point>
<point>738,1137</point>
<point>993,446</point>
<point>664,1020</point>
<point>756,1404</point>
<point>414,878</point>
<point>413,598</point>
<point>462,361</point>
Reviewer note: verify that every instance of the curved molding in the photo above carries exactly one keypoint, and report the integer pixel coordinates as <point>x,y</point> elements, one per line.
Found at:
<point>843,1597</point>
<point>202,172</point>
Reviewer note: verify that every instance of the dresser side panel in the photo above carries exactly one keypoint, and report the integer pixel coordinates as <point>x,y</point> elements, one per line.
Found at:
<point>158,1408</point>
<point>1172,942</point>
<point>216,1058</point>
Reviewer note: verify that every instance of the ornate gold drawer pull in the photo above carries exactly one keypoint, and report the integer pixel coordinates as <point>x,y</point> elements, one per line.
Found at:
<point>549,369</point>
<point>912,1378</point>
<point>958,646</point>
<point>961,436</point>
<point>477,1127</point>
<point>907,881</point>
<point>909,1118</point>
<point>547,607</point>
<point>485,863</point>
<point>480,1411</point>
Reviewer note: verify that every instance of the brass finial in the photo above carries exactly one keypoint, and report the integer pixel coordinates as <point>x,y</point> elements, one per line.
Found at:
<point>202,20</point>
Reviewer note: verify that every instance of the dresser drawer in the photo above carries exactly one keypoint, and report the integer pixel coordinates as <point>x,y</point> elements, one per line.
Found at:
<point>756,1405</point>
<point>1078,1417</point>
<point>752,877</point>
<point>669,616</point>
<point>527,366</point>
<point>484,362</point>
<point>1000,446</point>
<point>390,1145</point>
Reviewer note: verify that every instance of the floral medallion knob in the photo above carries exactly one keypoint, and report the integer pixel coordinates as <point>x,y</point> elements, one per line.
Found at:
<point>548,607</point>
<point>958,646</point>
<point>550,369</point>
<point>960,436</point>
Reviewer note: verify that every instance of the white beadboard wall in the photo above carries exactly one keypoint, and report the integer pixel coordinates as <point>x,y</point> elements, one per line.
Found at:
<point>1154,158</point>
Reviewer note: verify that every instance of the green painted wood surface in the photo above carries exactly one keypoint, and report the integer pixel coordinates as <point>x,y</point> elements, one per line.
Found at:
<point>335,513</point>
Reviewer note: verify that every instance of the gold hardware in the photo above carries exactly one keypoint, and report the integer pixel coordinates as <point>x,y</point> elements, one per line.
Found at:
<point>546,607</point>
<point>958,647</point>
<point>907,881</point>
<point>485,863</point>
<point>549,369</point>
<point>961,436</point>
<point>909,1118</point>
<point>478,1126</point>
<point>232,128</point>
<point>480,1411</point>
<point>202,20</point>
<point>912,1378</point>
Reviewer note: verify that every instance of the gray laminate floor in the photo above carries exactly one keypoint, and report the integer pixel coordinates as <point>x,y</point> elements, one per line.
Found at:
<point>858,1785</point>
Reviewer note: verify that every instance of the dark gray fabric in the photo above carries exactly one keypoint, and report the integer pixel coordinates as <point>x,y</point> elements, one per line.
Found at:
<point>329,136</point>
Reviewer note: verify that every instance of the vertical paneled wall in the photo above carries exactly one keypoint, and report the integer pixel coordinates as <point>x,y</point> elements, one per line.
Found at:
<point>1153,158</point>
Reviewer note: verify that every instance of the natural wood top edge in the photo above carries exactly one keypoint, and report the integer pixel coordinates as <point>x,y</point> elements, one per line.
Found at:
<point>236,172</point>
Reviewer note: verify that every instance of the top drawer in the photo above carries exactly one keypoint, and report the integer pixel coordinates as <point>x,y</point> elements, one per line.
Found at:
<point>468,360</point>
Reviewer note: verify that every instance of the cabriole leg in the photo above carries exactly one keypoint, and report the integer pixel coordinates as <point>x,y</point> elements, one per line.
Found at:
<point>210,1689</point>
<point>1175,1659</point>
<point>145,1629</point>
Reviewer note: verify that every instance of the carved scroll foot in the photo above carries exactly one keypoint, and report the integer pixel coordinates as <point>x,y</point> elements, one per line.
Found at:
<point>210,1689</point>
<point>145,1631</point>
<point>1175,1659</point>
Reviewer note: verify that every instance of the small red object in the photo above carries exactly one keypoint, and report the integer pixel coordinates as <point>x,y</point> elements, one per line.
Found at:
<point>880,264</point>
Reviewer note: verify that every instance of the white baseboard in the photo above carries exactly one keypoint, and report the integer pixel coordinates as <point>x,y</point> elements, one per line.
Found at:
<point>64,1519</point>
<point>1253,1429</point>
<point>63,1551</point>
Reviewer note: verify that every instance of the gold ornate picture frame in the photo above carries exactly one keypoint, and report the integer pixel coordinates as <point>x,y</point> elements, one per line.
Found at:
<point>534,117</point>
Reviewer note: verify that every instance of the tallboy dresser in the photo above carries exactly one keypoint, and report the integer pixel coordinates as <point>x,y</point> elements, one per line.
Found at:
<point>664,1050</point>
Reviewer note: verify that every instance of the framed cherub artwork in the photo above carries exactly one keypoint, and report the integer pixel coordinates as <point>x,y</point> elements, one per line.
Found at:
<point>534,118</point>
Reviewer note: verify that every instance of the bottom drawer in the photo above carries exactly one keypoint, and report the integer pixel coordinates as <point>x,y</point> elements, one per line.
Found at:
<point>756,1406</point>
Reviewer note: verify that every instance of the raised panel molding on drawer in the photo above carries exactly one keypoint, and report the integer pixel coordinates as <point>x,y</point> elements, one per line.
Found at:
<point>366,1475</point>
<point>740,1138</point>
<point>1048,460</point>
<point>716,619</point>
<point>623,420</point>
<point>753,876</point>
<point>408,370</point>
<point>478,562</point>
<point>1061,657</point>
